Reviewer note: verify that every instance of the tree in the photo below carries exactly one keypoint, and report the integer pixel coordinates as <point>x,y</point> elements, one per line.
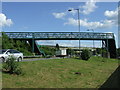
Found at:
<point>6,42</point>
<point>19,45</point>
<point>70,52</point>
<point>57,47</point>
<point>86,54</point>
<point>99,50</point>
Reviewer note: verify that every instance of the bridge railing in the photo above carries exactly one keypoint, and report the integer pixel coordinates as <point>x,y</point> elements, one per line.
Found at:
<point>59,35</point>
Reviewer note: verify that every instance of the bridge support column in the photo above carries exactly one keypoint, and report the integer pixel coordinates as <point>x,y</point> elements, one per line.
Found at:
<point>33,45</point>
<point>107,47</point>
<point>111,48</point>
<point>33,42</point>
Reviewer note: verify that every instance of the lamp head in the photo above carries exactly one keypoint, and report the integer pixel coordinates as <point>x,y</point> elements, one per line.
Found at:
<point>69,10</point>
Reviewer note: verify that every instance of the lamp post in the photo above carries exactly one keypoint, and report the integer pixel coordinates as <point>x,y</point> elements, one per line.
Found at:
<point>78,23</point>
<point>93,40</point>
<point>118,25</point>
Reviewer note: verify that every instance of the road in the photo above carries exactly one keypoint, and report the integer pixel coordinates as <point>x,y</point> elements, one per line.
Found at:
<point>36,59</point>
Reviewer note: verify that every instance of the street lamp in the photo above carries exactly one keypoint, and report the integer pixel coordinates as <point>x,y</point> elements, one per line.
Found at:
<point>78,23</point>
<point>93,37</point>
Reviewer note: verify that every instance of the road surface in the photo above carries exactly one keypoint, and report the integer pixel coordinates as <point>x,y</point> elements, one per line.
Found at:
<point>36,59</point>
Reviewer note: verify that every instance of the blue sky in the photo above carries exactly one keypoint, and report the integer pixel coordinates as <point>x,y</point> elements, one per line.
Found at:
<point>54,17</point>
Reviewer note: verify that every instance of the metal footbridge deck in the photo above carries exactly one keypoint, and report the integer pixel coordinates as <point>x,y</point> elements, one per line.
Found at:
<point>60,35</point>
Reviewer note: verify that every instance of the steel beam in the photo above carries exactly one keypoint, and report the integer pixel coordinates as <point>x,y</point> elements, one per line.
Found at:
<point>60,35</point>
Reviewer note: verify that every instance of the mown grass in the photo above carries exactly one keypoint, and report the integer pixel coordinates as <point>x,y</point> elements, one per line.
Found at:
<point>60,73</point>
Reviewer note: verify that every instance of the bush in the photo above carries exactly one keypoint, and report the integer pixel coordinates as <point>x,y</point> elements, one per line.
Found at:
<point>105,54</point>
<point>12,66</point>
<point>85,55</point>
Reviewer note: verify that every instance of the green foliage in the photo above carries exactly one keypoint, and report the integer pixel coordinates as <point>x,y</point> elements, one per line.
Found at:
<point>48,50</point>
<point>118,52</point>
<point>12,66</point>
<point>85,55</point>
<point>99,50</point>
<point>6,42</point>
<point>105,53</point>
<point>70,52</point>
<point>19,45</point>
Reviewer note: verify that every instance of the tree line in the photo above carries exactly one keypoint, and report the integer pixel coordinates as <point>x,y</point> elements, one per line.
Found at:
<point>19,45</point>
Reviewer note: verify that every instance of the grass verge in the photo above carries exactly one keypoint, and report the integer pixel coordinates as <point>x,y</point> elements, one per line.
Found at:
<point>62,73</point>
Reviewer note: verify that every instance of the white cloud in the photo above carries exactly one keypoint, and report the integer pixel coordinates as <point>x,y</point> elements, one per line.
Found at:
<point>85,9</point>
<point>110,21</point>
<point>89,7</point>
<point>4,21</point>
<point>47,42</point>
<point>59,15</point>
<point>71,21</point>
<point>67,43</point>
<point>111,14</point>
<point>90,25</point>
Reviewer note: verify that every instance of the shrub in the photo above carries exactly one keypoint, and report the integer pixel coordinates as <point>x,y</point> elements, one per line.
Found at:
<point>105,54</point>
<point>12,66</point>
<point>85,55</point>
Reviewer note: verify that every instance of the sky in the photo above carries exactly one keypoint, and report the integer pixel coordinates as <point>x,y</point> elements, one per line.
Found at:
<point>55,17</point>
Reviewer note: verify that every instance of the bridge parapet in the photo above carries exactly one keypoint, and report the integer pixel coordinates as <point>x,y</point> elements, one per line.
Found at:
<point>60,35</point>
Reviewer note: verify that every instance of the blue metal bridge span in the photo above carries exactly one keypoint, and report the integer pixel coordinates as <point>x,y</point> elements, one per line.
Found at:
<point>60,35</point>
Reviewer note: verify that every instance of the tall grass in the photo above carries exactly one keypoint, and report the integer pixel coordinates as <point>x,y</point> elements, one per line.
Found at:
<point>61,73</point>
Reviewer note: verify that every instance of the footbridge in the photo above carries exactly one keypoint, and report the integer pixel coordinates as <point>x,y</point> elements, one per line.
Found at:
<point>108,39</point>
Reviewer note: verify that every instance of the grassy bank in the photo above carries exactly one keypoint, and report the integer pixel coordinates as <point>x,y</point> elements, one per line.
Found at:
<point>62,73</point>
